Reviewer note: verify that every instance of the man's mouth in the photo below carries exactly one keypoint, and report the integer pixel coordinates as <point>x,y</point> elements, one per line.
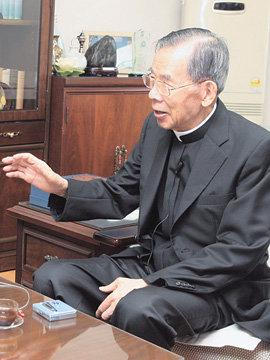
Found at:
<point>159,114</point>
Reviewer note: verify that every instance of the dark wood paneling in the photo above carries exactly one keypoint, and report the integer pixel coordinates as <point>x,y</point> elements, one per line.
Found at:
<point>41,238</point>
<point>39,247</point>
<point>89,121</point>
<point>7,260</point>
<point>22,133</point>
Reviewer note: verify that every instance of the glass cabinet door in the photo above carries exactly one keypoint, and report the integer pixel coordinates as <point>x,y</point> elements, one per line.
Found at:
<point>23,58</point>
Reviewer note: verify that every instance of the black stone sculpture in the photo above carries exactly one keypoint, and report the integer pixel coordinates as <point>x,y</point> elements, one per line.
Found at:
<point>102,53</point>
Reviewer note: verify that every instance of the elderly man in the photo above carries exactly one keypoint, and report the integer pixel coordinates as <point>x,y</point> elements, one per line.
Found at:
<point>200,175</point>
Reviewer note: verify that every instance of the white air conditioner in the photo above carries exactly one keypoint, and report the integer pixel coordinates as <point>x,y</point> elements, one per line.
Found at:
<point>245,28</point>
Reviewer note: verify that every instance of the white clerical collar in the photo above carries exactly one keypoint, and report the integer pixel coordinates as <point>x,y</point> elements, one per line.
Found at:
<point>181,133</point>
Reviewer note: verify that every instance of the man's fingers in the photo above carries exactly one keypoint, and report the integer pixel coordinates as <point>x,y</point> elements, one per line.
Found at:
<point>16,174</point>
<point>106,315</point>
<point>110,287</point>
<point>102,307</point>
<point>13,167</point>
<point>106,308</point>
<point>24,159</point>
<point>25,156</point>
<point>7,160</point>
<point>8,168</point>
<point>106,289</point>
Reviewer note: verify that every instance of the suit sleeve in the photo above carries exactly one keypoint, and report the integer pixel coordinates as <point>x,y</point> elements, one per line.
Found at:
<point>242,239</point>
<point>99,199</point>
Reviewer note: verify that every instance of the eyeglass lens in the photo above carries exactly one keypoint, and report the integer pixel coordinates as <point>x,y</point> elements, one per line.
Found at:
<point>151,82</point>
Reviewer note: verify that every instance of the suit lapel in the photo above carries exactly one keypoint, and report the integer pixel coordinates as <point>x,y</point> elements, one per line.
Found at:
<point>153,179</point>
<point>209,159</point>
<point>208,162</point>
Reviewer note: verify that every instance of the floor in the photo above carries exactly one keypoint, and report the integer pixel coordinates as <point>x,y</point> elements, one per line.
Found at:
<point>10,275</point>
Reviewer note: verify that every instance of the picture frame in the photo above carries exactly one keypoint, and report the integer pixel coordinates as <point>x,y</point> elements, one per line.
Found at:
<point>124,47</point>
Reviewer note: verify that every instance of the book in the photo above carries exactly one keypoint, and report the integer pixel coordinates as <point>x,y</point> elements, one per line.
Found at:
<point>14,81</point>
<point>20,89</point>
<point>7,94</point>
<point>5,76</point>
<point>13,78</point>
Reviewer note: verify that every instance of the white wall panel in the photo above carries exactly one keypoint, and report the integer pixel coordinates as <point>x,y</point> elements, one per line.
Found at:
<point>246,33</point>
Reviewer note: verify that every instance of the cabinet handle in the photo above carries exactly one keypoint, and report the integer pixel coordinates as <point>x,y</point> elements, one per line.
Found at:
<point>50,257</point>
<point>67,114</point>
<point>11,135</point>
<point>120,156</point>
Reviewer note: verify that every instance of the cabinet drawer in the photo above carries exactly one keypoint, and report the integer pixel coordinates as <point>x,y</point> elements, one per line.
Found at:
<point>18,133</point>
<point>40,247</point>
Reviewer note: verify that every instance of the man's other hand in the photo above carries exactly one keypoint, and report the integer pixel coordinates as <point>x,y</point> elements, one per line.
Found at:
<point>119,288</point>
<point>36,172</point>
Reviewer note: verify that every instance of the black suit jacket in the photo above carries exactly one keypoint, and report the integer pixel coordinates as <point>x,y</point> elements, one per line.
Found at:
<point>222,231</point>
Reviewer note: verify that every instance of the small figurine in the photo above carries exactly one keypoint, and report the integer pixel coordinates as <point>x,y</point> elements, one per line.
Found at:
<point>81,38</point>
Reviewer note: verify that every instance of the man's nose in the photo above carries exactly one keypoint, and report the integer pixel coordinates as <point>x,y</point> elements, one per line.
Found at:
<point>154,94</point>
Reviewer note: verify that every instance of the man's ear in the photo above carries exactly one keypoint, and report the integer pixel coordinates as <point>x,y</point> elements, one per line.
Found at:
<point>209,92</point>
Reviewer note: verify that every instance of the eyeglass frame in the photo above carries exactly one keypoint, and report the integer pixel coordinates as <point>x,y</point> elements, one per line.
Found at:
<point>167,86</point>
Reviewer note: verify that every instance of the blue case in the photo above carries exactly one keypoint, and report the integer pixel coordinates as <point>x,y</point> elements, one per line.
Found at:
<point>54,310</point>
<point>40,198</point>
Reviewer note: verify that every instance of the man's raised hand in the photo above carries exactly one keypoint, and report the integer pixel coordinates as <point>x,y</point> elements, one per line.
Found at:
<point>36,172</point>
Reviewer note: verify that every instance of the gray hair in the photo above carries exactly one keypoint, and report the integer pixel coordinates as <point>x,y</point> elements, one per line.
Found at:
<point>210,60</point>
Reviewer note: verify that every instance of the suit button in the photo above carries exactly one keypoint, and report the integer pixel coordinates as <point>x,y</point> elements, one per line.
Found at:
<point>184,284</point>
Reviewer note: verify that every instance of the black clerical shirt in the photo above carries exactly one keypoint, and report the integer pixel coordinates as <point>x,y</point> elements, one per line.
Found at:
<point>180,160</point>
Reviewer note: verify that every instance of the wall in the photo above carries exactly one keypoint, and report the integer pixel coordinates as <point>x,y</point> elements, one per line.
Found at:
<point>156,17</point>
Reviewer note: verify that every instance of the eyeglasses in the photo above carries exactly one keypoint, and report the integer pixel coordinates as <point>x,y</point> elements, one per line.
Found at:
<point>162,87</point>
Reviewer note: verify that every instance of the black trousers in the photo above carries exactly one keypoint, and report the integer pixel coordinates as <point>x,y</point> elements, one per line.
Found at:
<point>156,314</point>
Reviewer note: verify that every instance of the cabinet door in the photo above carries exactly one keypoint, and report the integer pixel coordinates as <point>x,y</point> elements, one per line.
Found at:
<point>25,61</point>
<point>96,123</point>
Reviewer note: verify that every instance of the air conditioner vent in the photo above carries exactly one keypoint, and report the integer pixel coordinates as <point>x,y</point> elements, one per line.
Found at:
<point>246,109</point>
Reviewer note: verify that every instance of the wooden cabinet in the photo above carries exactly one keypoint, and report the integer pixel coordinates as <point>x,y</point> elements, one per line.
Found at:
<point>25,69</point>
<point>94,121</point>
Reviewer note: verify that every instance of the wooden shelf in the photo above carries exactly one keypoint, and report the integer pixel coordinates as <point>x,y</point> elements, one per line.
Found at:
<point>10,22</point>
